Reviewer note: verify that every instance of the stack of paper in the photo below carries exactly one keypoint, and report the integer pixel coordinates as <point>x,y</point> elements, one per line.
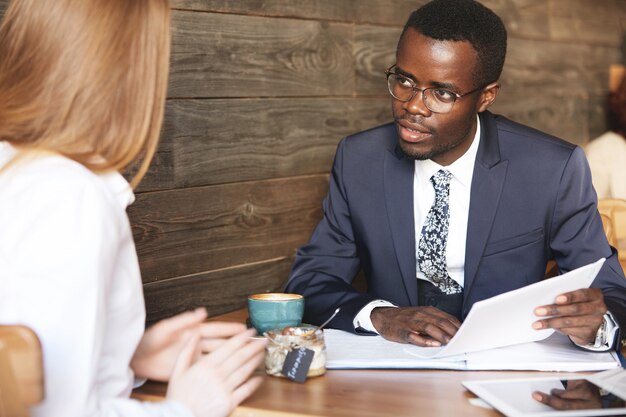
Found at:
<point>348,351</point>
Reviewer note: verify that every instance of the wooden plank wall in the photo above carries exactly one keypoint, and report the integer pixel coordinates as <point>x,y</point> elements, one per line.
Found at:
<point>260,93</point>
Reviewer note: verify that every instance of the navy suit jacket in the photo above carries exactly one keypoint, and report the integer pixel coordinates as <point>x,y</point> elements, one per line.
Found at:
<point>531,200</point>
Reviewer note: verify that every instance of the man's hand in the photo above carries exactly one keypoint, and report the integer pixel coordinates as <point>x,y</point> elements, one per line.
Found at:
<point>421,326</point>
<point>578,314</point>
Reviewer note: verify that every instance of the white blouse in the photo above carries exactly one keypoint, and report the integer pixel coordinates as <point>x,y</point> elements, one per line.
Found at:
<point>69,270</point>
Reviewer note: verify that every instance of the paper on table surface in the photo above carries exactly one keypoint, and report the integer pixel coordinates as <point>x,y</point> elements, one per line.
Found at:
<point>507,319</point>
<point>555,353</point>
<point>349,351</point>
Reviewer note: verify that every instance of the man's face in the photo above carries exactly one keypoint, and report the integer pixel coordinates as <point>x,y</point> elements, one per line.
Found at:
<point>445,64</point>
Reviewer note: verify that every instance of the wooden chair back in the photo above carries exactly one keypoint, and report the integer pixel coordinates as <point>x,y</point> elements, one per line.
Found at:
<point>616,75</point>
<point>21,370</point>
<point>615,209</point>
<point>609,229</point>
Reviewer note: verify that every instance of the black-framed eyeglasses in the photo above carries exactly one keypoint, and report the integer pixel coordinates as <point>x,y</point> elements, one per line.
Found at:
<point>436,99</point>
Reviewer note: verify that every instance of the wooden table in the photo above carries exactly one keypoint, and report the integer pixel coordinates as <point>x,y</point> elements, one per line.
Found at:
<point>362,393</point>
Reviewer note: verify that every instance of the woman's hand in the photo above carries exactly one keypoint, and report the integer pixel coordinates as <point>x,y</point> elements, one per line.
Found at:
<point>162,343</point>
<point>213,385</point>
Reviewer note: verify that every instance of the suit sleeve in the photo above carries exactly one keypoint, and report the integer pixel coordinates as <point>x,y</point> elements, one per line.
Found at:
<point>578,236</point>
<point>325,267</point>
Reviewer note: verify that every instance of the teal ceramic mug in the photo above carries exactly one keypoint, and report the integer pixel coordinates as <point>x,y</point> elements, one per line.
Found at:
<point>275,310</point>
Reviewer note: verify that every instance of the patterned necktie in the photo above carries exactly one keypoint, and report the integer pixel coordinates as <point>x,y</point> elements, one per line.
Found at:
<point>431,254</point>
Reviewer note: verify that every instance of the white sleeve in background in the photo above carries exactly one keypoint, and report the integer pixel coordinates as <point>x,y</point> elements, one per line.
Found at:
<point>362,319</point>
<point>68,269</point>
<point>600,171</point>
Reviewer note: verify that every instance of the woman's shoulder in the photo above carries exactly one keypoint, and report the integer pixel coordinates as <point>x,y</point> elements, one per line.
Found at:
<point>51,176</point>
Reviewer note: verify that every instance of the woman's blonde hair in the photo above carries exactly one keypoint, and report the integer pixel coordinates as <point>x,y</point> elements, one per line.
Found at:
<point>86,79</point>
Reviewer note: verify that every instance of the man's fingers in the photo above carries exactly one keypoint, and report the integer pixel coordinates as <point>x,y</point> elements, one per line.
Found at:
<point>422,340</point>
<point>551,400</point>
<point>442,315</point>
<point>578,309</point>
<point>585,302</point>
<point>561,323</point>
<point>431,331</point>
<point>577,314</point>
<point>564,303</point>
<point>580,296</point>
<point>579,334</point>
<point>441,331</point>
<point>573,394</point>
<point>432,321</point>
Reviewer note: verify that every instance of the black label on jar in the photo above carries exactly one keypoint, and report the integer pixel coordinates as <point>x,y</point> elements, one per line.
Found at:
<point>297,364</point>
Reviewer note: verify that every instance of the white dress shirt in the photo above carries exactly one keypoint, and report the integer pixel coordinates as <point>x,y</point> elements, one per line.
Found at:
<point>462,171</point>
<point>69,270</point>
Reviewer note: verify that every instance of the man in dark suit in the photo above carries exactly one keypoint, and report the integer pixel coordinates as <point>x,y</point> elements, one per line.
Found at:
<point>450,204</point>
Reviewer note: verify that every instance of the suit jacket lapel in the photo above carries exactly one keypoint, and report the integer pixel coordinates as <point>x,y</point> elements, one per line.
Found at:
<point>487,183</point>
<point>398,185</point>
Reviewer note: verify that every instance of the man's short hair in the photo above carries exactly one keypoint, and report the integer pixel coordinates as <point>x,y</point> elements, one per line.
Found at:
<point>465,20</point>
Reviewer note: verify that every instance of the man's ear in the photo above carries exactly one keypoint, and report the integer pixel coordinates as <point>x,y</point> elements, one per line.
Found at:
<point>487,97</point>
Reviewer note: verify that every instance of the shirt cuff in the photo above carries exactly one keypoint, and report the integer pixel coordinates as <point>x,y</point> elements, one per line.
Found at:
<point>363,321</point>
<point>605,337</point>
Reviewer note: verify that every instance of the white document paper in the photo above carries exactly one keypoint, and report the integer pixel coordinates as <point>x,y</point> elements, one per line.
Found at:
<point>555,353</point>
<point>349,351</point>
<point>507,319</point>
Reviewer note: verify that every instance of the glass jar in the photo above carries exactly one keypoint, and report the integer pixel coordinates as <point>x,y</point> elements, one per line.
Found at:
<point>283,341</point>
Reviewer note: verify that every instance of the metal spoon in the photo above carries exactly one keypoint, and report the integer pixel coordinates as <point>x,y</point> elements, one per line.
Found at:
<point>310,332</point>
<point>332,316</point>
